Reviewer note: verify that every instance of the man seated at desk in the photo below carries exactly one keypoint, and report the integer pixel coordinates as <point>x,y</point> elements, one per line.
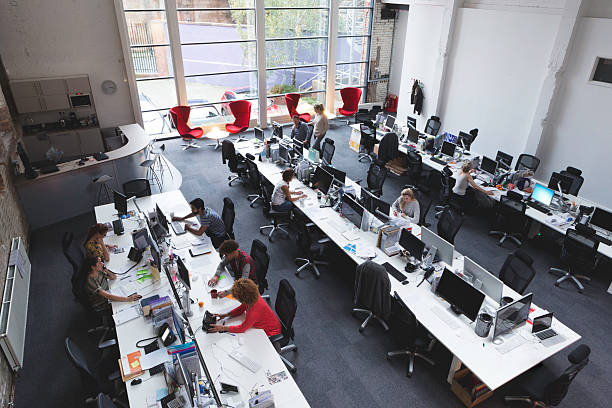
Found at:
<point>238,262</point>
<point>94,284</point>
<point>258,313</point>
<point>210,222</point>
<point>299,130</point>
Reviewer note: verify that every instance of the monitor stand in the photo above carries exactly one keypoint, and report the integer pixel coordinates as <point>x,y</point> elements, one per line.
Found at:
<point>455,310</point>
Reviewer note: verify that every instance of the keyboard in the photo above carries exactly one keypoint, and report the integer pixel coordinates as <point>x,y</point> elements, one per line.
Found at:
<point>245,361</point>
<point>351,235</point>
<point>400,277</point>
<point>538,206</point>
<point>439,161</point>
<point>177,227</point>
<point>546,334</point>
<point>445,317</point>
<point>602,239</point>
<point>510,343</point>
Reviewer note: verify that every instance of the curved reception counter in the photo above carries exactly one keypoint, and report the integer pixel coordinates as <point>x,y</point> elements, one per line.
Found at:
<point>71,191</point>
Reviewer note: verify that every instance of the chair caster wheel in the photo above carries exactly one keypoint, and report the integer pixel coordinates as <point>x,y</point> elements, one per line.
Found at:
<point>361,330</point>
<point>388,359</point>
<point>557,284</point>
<point>293,371</point>
<point>317,277</point>
<point>580,291</point>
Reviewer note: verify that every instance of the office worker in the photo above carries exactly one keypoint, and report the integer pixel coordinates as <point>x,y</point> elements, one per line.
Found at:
<point>238,262</point>
<point>463,179</point>
<point>321,125</point>
<point>94,243</point>
<point>407,206</point>
<point>95,284</point>
<point>299,130</point>
<point>258,313</point>
<point>210,222</point>
<point>282,197</point>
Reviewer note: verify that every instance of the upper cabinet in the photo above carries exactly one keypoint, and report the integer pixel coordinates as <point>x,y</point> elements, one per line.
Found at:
<point>47,94</point>
<point>25,89</point>
<point>53,87</point>
<point>78,85</point>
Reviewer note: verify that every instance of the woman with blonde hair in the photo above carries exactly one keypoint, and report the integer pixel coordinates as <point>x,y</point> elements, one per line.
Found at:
<point>94,243</point>
<point>321,125</point>
<point>258,313</point>
<point>407,206</point>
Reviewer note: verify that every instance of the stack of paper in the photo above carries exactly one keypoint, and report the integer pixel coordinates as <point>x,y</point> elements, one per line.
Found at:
<point>126,315</point>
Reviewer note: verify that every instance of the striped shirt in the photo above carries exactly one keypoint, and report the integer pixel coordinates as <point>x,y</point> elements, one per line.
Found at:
<point>213,223</point>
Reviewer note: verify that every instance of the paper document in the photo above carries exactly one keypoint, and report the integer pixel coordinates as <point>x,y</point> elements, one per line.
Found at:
<point>126,315</point>
<point>155,358</point>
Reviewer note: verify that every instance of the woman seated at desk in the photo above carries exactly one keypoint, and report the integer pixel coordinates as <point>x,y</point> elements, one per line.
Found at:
<point>258,313</point>
<point>94,243</point>
<point>238,262</point>
<point>464,178</point>
<point>94,285</point>
<point>282,197</point>
<point>407,206</point>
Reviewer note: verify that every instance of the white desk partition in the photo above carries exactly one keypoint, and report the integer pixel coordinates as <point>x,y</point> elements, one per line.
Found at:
<point>255,343</point>
<point>478,354</point>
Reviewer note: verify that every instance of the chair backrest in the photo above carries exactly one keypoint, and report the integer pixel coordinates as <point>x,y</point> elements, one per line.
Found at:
<point>72,253</point>
<point>446,184</point>
<point>432,127</point>
<point>377,173</point>
<point>180,117</point>
<point>137,187</point>
<point>425,205</point>
<point>404,323</point>
<point>388,147</point>
<point>367,139</point>
<point>510,206</point>
<point>229,156</point>
<point>527,162</point>
<point>302,238</point>
<point>577,179</point>
<point>254,174</point>
<point>228,215</point>
<point>328,150</point>
<point>285,307</point>
<point>309,133</point>
<point>579,251</point>
<point>259,254</point>
<point>242,113</point>
<point>449,224</point>
<point>557,389</point>
<point>104,401</point>
<point>266,190</point>
<point>292,100</point>
<point>77,358</point>
<point>517,271</point>
<point>350,98</point>
<point>415,164</point>
<point>372,288</point>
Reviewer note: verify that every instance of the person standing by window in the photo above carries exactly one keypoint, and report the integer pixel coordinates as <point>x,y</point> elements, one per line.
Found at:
<point>321,125</point>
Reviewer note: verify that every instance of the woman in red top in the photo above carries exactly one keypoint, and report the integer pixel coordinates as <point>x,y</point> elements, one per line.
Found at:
<point>258,313</point>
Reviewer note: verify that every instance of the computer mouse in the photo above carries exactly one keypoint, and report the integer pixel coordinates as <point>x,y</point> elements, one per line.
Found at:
<point>405,282</point>
<point>549,213</point>
<point>136,381</point>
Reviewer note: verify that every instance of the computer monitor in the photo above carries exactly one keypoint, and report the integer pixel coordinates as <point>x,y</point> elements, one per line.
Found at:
<point>483,280</point>
<point>602,219</point>
<point>465,140</point>
<point>542,194</point>
<point>259,134</point>
<point>185,377</point>
<point>150,228</point>
<point>322,180</point>
<point>140,239</point>
<point>351,210</point>
<point>413,135</point>
<point>504,159</point>
<point>314,155</point>
<point>377,207</point>
<point>448,149</point>
<point>444,249</point>
<point>183,272</point>
<point>339,175</point>
<point>283,153</point>
<point>557,179</point>
<point>411,122</point>
<point>25,160</point>
<point>277,130</point>
<point>449,137</point>
<point>298,147</point>
<point>120,203</point>
<point>389,122</point>
<point>161,218</point>
<point>155,254</point>
<point>463,297</point>
<point>512,315</point>
<point>488,165</point>
<point>412,244</point>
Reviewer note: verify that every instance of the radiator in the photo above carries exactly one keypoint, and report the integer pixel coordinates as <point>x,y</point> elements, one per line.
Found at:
<point>14,312</point>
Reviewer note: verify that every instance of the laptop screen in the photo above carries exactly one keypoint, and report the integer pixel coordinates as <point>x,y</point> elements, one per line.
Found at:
<point>542,323</point>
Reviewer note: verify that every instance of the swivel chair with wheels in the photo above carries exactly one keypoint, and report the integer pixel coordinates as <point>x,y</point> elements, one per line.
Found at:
<point>527,162</point>
<point>517,272</point>
<point>577,178</point>
<point>367,142</point>
<point>291,101</point>
<point>285,308</point>
<point>73,254</point>
<point>414,338</point>
<point>377,174</point>
<point>449,224</point>
<point>350,97</point>
<point>228,214</point>
<point>277,216</point>
<point>327,151</point>
<point>254,180</point>
<point>432,127</point>
<point>242,115</point>
<point>311,253</point>
<point>104,401</point>
<point>546,387</point>
<point>579,253</point>
<point>235,162</point>
<point>446,190</point>
<point>261,259</point>
<point>372,293</point>
<point>180,118</point>
<point>511,221</point>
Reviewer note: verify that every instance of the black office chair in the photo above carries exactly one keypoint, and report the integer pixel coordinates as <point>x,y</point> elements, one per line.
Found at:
<point>137,187</point>
<point>424,206</point>
<point>449,224</point>
<point>376,305</point>
<point>579,253</point>
<point>93,377</point>
<point>446,190</point>
<point>327,151</point>
<point>285,307</point>
<point>261,259</point>
<point>546,387</point>
<point>517,272</point>
<point>406,329</point>
<point>510,218</point>
<point>377,174</point>
<point>388,147</point>
<point>577,178</point>
<point>104,401</point>
<point>73,253</point>
<point>276,216</point>
<point>308,142</point>
<point>367,142</point>
<point>414,162</point>
<point>228,214</point>
<point>254,180</point>
<point>432,127</point>
<point>311,253</point>
<point>527,162</point>
<point>235,162</point>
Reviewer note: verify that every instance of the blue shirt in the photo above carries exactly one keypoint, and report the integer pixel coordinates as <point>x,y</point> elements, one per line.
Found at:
<point>213,222</point>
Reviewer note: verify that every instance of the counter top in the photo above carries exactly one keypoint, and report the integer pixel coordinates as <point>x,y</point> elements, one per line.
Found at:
<point>53,128</point>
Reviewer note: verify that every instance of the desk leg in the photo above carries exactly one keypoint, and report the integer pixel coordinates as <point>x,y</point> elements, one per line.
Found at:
<point>610,288</point>
<point>534,229</point>
<point>454,366</point>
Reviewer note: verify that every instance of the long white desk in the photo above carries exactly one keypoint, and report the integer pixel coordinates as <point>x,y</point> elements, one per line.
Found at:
<point>214,346</point>
<point>478,354</point>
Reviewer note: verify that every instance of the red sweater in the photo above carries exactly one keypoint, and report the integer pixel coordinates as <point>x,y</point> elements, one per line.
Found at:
<point>259,316</point>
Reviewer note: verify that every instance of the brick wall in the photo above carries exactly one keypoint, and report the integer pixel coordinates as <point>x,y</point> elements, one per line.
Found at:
<point>12,222</point>
<point>380,54</point>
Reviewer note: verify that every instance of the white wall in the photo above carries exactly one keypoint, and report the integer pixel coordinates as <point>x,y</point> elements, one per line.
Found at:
<point>65,37</point>
<point>495,72</point>
<point>580,130</point>
<point>420,56</point>
<point>397,56</point>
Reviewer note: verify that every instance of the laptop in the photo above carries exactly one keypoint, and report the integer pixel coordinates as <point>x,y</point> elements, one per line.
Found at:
<point>542,330</point>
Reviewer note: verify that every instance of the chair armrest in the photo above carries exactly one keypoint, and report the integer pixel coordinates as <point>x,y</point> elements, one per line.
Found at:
<point>276,338</point>
<point>310,224</point>
<point>358,181</point>
<point>324,240</point>
<point>115,375</point>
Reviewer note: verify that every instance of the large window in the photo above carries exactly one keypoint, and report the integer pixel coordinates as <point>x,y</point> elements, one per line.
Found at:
<point>215,46</point>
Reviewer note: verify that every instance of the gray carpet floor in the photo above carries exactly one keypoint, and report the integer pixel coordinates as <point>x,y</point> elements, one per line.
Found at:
<point>337,365</point>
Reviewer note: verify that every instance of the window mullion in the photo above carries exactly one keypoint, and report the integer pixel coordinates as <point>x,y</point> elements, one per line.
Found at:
<point>332,47</point>
<point>176,52</point>
<point>262,88</point>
